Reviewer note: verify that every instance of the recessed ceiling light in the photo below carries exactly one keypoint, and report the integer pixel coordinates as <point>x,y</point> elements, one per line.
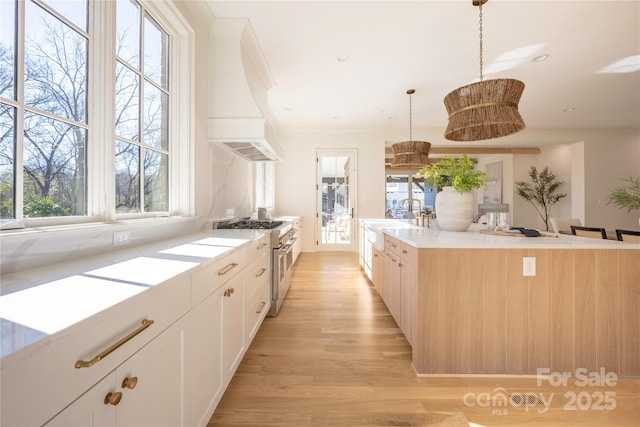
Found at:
<point>336,117</point>
<point>570,109</point>
<point>287,109</point>
<point>392,117</point>
<point>342,58</point>
<point>541,58</point>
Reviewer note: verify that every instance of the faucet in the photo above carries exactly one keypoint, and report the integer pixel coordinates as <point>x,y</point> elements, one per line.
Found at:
<point>409,202</point>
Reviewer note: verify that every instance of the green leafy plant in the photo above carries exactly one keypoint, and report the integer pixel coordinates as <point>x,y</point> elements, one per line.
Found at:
<point>626,197</point>
<point>541,193</point>
<point>456,172</point>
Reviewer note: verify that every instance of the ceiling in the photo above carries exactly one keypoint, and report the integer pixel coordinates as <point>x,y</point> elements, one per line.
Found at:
<point>433,47</point>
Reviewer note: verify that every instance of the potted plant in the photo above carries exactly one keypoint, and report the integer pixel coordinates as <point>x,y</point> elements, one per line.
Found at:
<point>541,193</point>
<point>627,197</point>
<point>456,177</point>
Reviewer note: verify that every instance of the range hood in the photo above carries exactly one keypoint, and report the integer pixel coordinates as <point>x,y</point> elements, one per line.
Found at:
<point>240,118</point>
<point>248,138</point>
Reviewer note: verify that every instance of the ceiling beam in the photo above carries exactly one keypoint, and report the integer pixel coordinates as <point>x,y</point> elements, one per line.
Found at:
<point>478,150</point>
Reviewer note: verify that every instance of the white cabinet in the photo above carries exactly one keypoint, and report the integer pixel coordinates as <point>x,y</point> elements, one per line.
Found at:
<point>297,245</point>
<point>233,343</point>
<point>148,389</point>
<point>224,323</point>
<point>207,379</point>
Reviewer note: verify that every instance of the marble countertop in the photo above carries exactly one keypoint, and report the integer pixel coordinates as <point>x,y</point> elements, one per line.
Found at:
<point>37,303</point>
<point>433,237</point>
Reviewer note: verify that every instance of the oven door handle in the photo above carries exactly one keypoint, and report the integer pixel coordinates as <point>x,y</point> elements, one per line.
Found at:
<point>286,249</point>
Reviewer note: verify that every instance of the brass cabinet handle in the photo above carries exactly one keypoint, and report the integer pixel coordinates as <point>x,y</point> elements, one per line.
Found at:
<point>84,364</point>
<point>112,398</point>
<point>399,264</point>
<point>261,307</point>
<point>261,272</point>
<point>130,383</point>
<point>227,269</point>
<point>228,292</point>
<point>404,251</point>
<point>262,245</point>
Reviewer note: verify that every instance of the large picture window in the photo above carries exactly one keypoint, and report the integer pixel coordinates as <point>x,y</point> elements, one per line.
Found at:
<point>86,125</point>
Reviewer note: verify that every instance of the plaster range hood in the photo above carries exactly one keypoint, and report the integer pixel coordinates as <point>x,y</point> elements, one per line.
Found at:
<point>240,118</point>
<point>247,138</point>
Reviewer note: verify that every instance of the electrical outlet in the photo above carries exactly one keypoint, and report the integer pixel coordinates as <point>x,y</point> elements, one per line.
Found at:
<point>121,238</point>
<point>528,266</point>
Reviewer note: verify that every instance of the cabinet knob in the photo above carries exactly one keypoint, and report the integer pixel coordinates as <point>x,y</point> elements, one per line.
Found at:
<point>404,251</point>
<point>130,383</point>
<point>228,292</point>
<point>112,398</point>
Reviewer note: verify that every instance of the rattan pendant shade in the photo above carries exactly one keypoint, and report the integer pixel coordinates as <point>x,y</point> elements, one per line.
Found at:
<point>484,110</point>
<point>410,154</point>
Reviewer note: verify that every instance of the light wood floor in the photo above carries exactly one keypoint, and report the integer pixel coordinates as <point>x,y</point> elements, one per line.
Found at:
<point>335,357</point>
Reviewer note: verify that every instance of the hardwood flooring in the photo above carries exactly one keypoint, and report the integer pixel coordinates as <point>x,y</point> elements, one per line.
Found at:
<point>335,357</point>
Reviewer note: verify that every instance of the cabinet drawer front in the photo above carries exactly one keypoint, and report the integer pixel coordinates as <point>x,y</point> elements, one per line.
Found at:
<point>255,275</point>
<point>407,252</point>
<point>257,309</point>
<point>259,247</point>
<point>205,281</point>
<point>49,376</point>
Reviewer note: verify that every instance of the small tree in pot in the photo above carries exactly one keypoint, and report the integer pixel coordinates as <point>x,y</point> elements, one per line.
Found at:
<point>541,193</point>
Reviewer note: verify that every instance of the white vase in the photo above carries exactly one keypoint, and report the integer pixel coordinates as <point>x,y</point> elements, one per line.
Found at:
<point>454,210</point>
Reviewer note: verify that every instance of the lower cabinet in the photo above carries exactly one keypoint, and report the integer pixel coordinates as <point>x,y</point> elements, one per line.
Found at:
<point>398,287</point>
<point>148,389</point>
<point>377,258</point>
<point>222,327</point>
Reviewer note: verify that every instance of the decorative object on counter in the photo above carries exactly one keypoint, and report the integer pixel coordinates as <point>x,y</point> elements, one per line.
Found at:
<point>486,109</point>
<point>410,154</point>
<point>456,177</point>
<point>627,197</point>
<point>541,193</point>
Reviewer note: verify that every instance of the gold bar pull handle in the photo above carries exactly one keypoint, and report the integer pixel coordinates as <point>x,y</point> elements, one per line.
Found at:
<point>261,307</point>
<point>262,245</point>
<point>227,269</point>
<point>261,272</point>
<point>84,364</point>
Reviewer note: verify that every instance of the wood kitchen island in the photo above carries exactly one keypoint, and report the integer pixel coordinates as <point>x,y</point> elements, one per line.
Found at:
<point>466,306</point>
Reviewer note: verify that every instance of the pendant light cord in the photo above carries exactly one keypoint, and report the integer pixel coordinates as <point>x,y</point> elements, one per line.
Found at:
<point>480,7</point>
<point>410,119</point>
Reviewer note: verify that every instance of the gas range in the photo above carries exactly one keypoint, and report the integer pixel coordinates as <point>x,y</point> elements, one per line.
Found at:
<point>246,223</point>
<point>281,231</point>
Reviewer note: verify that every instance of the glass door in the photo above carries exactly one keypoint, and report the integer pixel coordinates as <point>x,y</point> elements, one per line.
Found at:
<point>336,224</point>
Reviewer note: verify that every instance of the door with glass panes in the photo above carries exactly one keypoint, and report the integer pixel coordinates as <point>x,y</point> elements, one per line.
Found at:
<point>336,218</point>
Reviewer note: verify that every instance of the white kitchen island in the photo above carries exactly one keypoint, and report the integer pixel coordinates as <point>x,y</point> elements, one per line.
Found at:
<point>149,335</point>
<point>471,303</point>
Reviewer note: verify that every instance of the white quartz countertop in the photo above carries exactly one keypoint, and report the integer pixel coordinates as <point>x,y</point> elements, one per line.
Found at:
<point>433,237</point>
<point>37,303</point>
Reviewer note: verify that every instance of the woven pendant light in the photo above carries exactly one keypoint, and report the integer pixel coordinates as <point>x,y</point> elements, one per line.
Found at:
<point>410,154</point>
<point>486,109</point>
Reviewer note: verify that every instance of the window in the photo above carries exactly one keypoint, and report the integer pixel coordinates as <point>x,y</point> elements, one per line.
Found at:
<point>83,139</point>
<point>264,185</point>
<point>400,201</point>
<point>43,99</point>
<point>141,111</point>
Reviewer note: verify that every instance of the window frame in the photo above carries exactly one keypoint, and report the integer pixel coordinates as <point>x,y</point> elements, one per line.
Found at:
<point>100,111</point>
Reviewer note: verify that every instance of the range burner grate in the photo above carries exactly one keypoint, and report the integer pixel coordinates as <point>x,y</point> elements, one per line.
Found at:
<point>249,224</point>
